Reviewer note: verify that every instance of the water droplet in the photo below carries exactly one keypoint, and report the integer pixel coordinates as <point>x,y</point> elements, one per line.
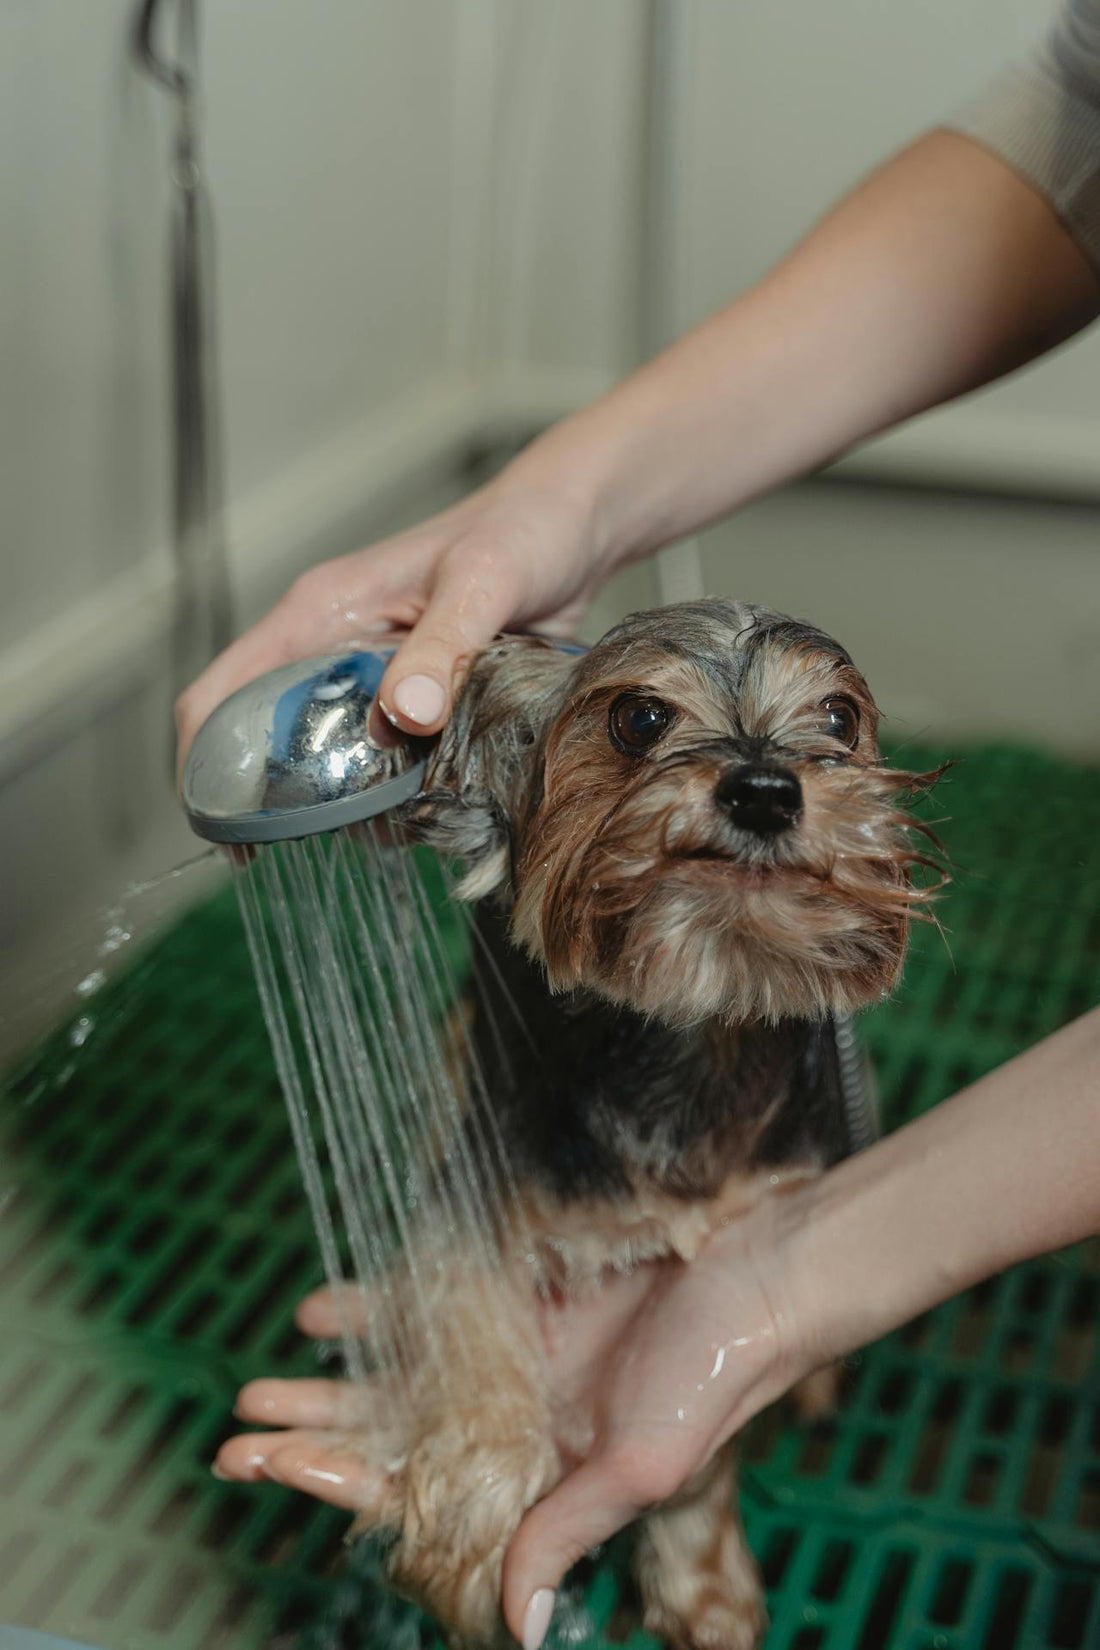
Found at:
<point>81,1031</point>
<point>91,982</point>
<point>114,939</point>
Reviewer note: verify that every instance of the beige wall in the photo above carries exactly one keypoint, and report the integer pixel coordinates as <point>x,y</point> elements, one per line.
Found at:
<point>972,617</point>
<point>413,202</point>
<point>432,230</point>
<point>781,108</point>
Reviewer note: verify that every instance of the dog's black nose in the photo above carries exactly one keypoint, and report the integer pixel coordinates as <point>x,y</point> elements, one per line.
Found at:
<point>762,800</point>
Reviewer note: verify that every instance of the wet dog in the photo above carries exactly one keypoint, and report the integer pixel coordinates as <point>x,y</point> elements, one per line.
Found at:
<point>690,861</point>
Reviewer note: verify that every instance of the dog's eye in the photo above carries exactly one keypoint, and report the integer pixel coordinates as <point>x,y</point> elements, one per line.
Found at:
<point>636,722</point>
<point>842,720</point>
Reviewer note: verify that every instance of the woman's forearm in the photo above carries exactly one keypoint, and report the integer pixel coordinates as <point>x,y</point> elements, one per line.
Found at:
<point>1007,1169</point>
<point>942,271</point>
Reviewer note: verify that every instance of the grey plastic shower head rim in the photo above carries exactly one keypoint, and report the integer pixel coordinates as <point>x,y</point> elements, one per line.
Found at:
<point>291,755</point>
<point>291,825</point>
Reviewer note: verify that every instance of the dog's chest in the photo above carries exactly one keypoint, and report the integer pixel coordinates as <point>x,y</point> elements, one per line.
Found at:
<point>598,1102</point>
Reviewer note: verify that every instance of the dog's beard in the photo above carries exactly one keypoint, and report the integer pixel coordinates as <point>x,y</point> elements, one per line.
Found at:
<point>652,900</point>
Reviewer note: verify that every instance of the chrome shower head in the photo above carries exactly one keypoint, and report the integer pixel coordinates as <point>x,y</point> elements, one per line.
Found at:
<point>290,755</point>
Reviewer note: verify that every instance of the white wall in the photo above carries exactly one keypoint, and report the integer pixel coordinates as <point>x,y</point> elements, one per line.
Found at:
<point>418,207</point>
<point>415,206</point>
<point>328,144</point>
<point>972,617</point>
<point>432,228</point>
<point>780,109</point>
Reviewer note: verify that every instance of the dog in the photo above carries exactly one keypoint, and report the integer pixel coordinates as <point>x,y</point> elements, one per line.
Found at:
<point>689,861</point>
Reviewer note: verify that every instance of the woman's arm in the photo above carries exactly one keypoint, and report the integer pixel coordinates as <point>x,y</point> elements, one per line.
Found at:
<point>1007,1169</point>
<point>941,271</point>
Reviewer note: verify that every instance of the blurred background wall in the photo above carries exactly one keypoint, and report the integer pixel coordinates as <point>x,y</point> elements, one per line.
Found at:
<point>440,225</point>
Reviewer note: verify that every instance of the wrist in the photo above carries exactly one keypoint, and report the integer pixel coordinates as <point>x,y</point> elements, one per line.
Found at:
<point>569,472</point>
<point>637,464</point>
<point>812,1322</point>
<point>864,1256</point>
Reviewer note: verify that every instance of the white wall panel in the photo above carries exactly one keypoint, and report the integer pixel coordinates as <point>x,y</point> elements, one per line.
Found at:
<point>781,108</point>
<point>329,141</point>
<point>330,130</point>
<point>571,91</point>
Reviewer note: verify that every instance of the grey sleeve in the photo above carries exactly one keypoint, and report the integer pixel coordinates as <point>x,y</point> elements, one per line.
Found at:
<point>1043,117</point>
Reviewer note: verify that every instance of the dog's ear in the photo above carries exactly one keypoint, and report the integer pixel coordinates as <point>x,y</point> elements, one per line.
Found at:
<point>488,755</point>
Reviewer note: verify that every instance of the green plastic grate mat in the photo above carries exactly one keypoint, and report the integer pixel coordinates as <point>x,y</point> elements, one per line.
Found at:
<point>155,1240</point>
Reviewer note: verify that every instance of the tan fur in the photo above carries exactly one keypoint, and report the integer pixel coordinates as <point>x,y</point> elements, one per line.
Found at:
<point>816,1396</point>
<point>464,1443</point>
<point>699,1582</point>
<point>581,1242</point>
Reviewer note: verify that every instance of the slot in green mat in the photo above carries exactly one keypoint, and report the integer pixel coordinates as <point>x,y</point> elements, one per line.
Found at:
<point>155,1239</point>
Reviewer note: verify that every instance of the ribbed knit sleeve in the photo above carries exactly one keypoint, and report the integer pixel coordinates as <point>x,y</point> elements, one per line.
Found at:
<point>1043,117</point>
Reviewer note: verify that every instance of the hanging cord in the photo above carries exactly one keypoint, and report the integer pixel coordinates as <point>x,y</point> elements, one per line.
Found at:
<point>857,1085</point>
<point>203,621</point>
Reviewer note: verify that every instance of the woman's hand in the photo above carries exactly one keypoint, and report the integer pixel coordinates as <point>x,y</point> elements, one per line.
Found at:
<point>656,1370</point>
<point>521,552</point>
<point>702,1348</point>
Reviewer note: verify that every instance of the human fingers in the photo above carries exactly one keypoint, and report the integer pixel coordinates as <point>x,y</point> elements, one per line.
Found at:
<point>332,1470</point>
<point>474,597</point>
<point>304,1403</point>
<point>377,590</point>
<point>592,1504</point>
<point>319,1463</point>
<point>333,1310</point>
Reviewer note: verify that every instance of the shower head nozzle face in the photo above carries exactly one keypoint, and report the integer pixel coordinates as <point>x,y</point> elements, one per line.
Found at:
<point>290,755</point>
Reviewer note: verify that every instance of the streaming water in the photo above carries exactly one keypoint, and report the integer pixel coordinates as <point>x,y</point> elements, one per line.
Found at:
<point>402,1157</point>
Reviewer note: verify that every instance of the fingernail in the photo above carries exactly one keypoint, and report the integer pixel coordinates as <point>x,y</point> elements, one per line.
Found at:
<point>536,1618</point>
<point>216,1472</point>
<point>420,699</point>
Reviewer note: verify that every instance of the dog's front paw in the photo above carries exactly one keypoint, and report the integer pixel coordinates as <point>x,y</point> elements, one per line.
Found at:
<point>451,1487</point>
<point>717,1621</point>
<point>466,1487</point>
<point>699,1583</point>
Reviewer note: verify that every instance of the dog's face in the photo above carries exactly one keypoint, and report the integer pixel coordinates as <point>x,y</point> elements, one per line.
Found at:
<point>692,819</point>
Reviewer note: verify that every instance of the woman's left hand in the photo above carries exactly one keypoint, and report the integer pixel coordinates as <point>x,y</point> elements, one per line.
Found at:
<point>657,1368</point>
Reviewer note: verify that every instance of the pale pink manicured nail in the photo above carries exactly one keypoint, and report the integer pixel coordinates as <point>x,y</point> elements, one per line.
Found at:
<point>420,699</point>
<point>536,1618</point>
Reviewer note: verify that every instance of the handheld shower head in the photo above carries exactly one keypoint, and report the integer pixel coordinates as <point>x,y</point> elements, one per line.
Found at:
<point>289,755</point>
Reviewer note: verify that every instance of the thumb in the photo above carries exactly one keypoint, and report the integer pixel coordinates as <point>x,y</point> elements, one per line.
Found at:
<point>471,601</point>
<point>588,1507</point>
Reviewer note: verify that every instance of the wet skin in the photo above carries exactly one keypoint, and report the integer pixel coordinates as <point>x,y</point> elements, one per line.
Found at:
<point>653,1366</point>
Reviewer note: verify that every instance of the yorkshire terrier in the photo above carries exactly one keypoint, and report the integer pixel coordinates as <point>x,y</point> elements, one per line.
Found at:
<point>691,861</point>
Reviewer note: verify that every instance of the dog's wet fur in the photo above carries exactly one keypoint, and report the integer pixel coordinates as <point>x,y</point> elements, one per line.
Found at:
<point>689,857</point>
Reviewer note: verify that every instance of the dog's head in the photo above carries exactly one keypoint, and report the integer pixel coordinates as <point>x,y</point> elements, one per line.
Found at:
<point>691,819</point>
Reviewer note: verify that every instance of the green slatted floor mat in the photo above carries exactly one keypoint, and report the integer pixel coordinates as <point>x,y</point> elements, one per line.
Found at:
<point>154,1239</point>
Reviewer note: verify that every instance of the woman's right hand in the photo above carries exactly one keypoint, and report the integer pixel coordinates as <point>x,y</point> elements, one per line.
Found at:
<point>520,553</point>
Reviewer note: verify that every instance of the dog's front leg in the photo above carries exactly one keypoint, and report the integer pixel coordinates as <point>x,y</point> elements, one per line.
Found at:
<point>479,1446</point>
<point>700,1586</point>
